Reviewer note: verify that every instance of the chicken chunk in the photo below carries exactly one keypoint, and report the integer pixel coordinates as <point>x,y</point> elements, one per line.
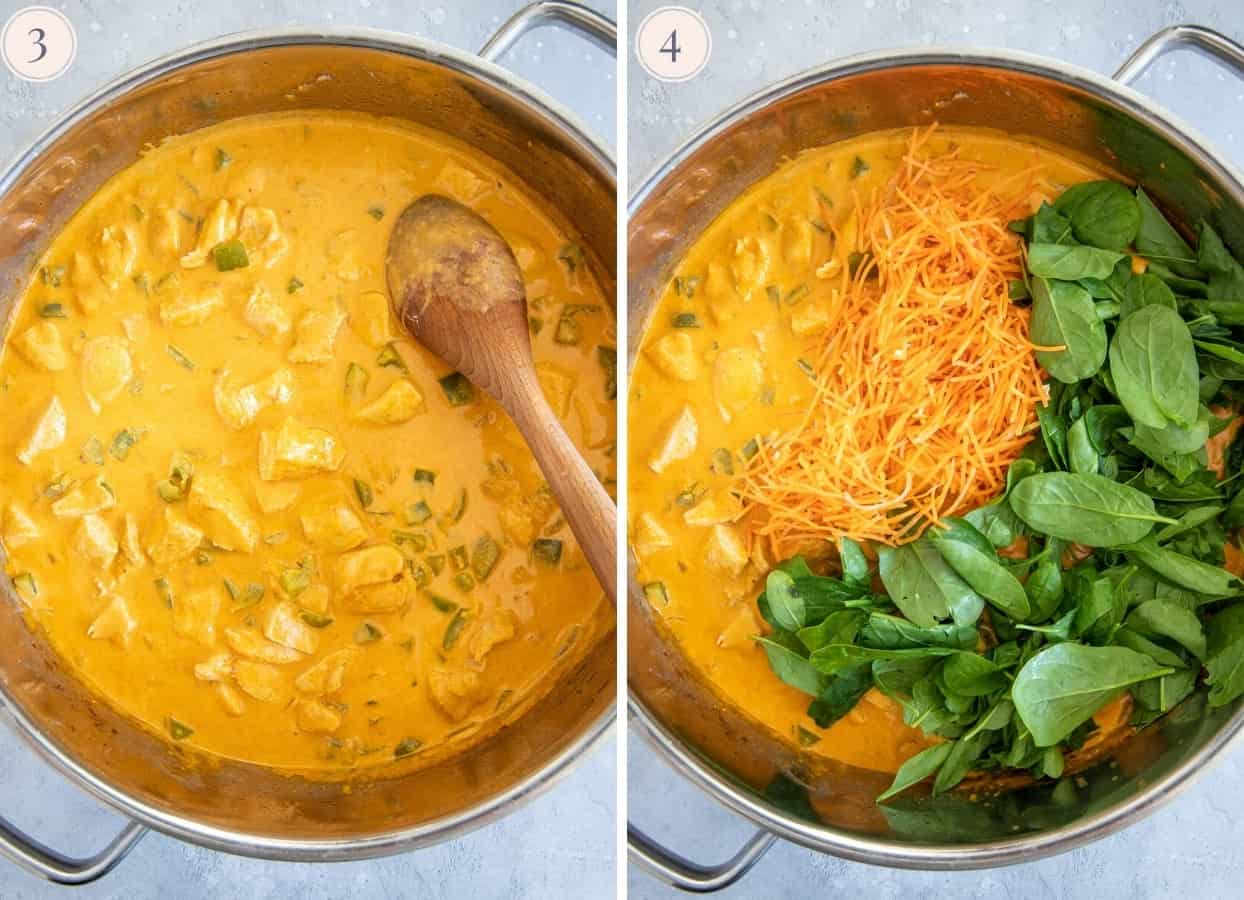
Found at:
<point>19,528</point>
<point>118,249</point>
<point>265,314</point>
<point>83,499</point>
<point>295,450</point>
<point>184,309</point>
<point>239,406</point>
<point>369,318</point>
<point>169,233</point>
<point>88,289</point>
<point>455,690</point>
<point>275,496</point>
<point>260,232</point>
<point>130,543</point>
<point>114,623</point>
<point>263,682</point>
<point>737,379</point>
<point>809,319</point>
<point>716,510</point>
<point>315,335</point>
<point>557,385</point>
<point>725,550</point>
<point>649,536</point>
<point>95,542</point>
<point>106,370</point>
<point>378,598</point>
<point>250,644</point>
<point>177,540</point>
<point>48,433</point>
<point>750,266</point>
<point>41,346</point>
<point>317,718</point>
<point>194,615</point>
<point>679,442</point>
<point>327,675</point>
<point>215,669</point>
<point>285,627</point>
<point>230,699</point>
<point>460,182</point>
<point>221,509</point>
<point>400,402</point>
<point>221,224</point>
<point>371,565</point>
<point>330,524</point>
<point>490,631</point>
<point>674,354</point>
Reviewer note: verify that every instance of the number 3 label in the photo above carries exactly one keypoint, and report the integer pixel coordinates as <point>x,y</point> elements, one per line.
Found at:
<point>673,43</point>
<point>38,43</point>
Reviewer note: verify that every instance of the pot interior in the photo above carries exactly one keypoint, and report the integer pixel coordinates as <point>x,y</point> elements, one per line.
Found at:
<point>831,806</point>
<point>241,807</point>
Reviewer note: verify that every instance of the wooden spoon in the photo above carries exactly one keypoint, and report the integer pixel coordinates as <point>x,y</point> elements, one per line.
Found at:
<point>455,286</point>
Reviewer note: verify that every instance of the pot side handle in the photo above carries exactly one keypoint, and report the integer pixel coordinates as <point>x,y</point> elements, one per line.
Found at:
<point>56,867</point>
<point>595,27</point>
<point>1202,40</point>
<point>680,872</point>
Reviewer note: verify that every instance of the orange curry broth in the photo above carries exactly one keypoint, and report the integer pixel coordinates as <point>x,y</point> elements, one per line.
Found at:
<point>711,571</point>
<point>365,644</point>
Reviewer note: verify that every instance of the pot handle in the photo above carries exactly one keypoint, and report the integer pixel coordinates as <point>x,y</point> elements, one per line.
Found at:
<point>1202,40</point>
<point>47,863</point>
<point>682,873</point>
<point>587,22</point>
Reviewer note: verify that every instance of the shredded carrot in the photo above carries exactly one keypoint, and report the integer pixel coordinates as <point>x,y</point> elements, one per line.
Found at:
<point>926,380</point>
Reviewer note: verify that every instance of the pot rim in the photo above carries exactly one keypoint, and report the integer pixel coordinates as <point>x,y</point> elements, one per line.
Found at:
<point>556,767</point>
<point>924,855</point>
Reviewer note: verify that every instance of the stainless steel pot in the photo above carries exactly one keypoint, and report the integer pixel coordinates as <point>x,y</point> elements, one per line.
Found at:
<point>721,748</point>
<point>242,808</point>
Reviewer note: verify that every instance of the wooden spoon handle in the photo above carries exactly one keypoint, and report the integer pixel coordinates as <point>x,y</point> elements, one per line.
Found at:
<point>583,499</point>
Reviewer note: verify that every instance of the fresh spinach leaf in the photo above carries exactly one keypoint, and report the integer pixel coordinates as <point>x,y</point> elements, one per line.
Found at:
<point>924,588</point>
<point>963,754</point>
<point>1063,316</point>
<point>1153,364</point>
<point>786,604</point>
<point>854,563</point>
<point>1084,509</point>
<point>1146,290</point>
<point>1193,518</point>
<point>1158,240</point>
<point>1064,685</point>
<point>790,666</point>
<point>833,658</point>
<point>1082,456</point>
<point>1045,586</point>
<point>916,769</point>
<point>1182,570</point>
<point>972,557</point>
<point>892,632</point>
<point>1070,262</point>
<point>838,627</point>
<point>1224,655</point>
<point>1161,618</point>
<point>972,675</point>
<point>1103,213</point>
<point>840,695</point>
<point>1226,276</point>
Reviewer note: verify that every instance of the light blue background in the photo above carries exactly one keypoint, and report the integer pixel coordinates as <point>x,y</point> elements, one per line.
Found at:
<point>1190,848</point>
<point>560,845</point>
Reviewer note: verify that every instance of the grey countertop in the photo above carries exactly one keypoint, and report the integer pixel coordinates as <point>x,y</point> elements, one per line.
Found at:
<point>560,845</point>
<point>1189,848</point>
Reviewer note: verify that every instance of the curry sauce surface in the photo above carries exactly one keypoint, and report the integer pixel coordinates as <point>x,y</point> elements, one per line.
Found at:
<point>248,511</point>
<point>719,368</point>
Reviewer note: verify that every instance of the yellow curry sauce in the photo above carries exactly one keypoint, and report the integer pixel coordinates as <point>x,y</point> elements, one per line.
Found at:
<point>243,507</point>
<point>718,369</point>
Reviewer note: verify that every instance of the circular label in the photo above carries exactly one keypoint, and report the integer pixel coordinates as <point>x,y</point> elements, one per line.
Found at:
<point>38,43</point>
<point>673,43</point>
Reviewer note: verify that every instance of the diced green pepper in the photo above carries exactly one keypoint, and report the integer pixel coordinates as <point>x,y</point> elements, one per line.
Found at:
<point>122,442</point>
<point>406,747</point>
<point>362,490</point>
<point>655,593</point>
<point>222,158</point>
<point>859,167</point>
<point>686,285</point>
<point>230,255</point>
<point>366,633</point>
<point>608,359</point>
<point>568,329</point>
<point>356,382</point>
<point>294,581</point>
<point>52,275</point>
<point>464,581</point>
<point>547,551</point>
<point>457,389</point>
<point>723,464</point>
<point>390,358</point>
<point>484,557</point>
<point>436,562</point>
<point>180,358</point>
<point>314,619</point>
<point>444,604</point>
<point>458,558</point>
<point>417,541</point>
<point>177,729</point>
<point>571,255</point>
<point>418,513</point>
<point>425,476</point>
<point>294,286</point>
<point>53,311</point>
<point>453,630</point>
<point>92,451</point>
<point>26,586</point>
<point>685,320</point>
<point>376,212</point>
<point>455,512</point>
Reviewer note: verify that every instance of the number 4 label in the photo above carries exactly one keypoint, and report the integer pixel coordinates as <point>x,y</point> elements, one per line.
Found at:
<point>673,43</point>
